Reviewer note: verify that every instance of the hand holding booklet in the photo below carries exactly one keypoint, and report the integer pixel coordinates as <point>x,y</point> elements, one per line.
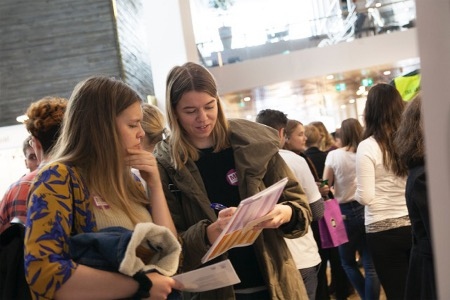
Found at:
<point>251,211</point>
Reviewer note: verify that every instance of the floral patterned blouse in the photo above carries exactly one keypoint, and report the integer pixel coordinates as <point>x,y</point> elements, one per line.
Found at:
<point>58,189</point>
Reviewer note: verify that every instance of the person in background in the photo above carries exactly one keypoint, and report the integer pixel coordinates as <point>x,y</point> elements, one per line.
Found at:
<point>295,141</point>
<point>410,145</point>
<point>304,249</point>
<point>313,141</point>
<point>208,158</point>
<point>327,143</point>
<point>31,161</point>
<point>153,124</point>
<point>339,284</point>
<point>44,120</point>
<point>337,137</point>
<point>388,228</point>
<point>88,186</point>
<point>340,171</point>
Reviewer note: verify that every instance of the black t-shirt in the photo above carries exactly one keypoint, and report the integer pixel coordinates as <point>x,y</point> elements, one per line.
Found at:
<point>221,183</point>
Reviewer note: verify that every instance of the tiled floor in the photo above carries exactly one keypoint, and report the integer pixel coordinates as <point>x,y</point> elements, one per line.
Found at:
<point>355,295</point>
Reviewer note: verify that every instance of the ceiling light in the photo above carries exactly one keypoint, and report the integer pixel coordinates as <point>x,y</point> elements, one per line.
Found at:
<point>21,118</point>
<point>387,72</point>
<point>378,4</point>
<point>331,76</point>
<point>247,98</point>
<point>351,101</point>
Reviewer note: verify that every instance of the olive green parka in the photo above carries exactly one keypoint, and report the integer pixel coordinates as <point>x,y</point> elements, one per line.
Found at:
<point>258,165</point>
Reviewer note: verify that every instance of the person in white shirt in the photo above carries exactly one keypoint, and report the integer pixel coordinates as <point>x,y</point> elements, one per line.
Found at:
<point>304,250</point>
<point>387,222</point>
<point>340,171</point>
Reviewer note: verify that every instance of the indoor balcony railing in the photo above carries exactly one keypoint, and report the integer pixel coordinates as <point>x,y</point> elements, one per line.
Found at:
<point>341,23</point>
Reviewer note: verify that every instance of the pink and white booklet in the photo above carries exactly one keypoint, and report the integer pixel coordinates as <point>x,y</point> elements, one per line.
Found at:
<point>251,211</point>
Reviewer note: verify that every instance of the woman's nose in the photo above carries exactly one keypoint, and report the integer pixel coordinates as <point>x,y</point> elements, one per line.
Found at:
<point>201,115</point>
<point>141,132</point>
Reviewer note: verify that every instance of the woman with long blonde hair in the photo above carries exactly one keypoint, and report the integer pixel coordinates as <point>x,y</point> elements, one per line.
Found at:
<point>88,186</point>
<point>208,158</point>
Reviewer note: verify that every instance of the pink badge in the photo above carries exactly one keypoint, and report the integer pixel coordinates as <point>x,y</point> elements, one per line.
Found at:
<point>232,177</point>
<point>98,201</point>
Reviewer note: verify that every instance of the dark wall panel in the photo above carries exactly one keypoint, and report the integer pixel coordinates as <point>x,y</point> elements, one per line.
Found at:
<point>133,43</point>
<point>47,46</point>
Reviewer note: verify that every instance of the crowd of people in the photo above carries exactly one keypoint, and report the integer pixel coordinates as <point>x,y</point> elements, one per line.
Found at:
<point>106,167</point>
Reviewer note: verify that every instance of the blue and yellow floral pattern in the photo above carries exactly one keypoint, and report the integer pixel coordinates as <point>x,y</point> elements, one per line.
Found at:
<point>57,191</point>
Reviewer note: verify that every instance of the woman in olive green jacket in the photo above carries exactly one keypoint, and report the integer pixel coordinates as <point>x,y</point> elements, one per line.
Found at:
<point>203,148</point>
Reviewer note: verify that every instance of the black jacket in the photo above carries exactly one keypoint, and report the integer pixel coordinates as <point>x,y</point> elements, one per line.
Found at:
<point>12,271</point>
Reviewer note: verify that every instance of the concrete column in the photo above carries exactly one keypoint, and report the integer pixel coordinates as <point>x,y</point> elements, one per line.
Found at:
<point>433,27</point>
<point>172,35</point>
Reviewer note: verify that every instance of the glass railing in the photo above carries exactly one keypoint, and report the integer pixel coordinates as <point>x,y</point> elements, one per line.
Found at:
<point>342,23</point>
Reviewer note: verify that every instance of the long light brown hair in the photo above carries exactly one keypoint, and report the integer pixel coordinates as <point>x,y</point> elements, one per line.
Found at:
<point>327,140</point>
<point>351,134</point>
<point>183,79</point>
<point>90,141</point>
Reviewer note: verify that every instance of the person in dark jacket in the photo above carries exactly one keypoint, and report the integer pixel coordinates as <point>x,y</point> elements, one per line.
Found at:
<point>208,158</point>
<point>409,141</point>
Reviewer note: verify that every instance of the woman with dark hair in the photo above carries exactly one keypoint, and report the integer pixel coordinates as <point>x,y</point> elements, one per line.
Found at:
<point>340,171</point>
<point>409,141</point>
<point>382,190</point>
<point>31,161</point>
<point>208,158</point>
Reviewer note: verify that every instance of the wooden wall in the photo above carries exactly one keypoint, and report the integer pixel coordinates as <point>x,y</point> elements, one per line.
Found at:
<point>47,46</point>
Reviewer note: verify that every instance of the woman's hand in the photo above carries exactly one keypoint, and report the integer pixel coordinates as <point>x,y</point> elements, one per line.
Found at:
<point>162,285</point>
<point>323,189</point>
<point>279,215</point>
<point>145,162</point>
<point>224,217</point>
<point>215,229</point>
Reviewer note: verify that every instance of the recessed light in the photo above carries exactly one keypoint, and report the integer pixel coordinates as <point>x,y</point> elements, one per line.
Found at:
<point>331,76</point>
<point>387,72</point>
<point>247,98</point>
<point>21,118</point>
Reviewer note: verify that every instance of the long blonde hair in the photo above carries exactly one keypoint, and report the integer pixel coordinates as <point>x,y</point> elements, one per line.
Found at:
<point>90,141</point>
<point>327,140</point>
<point>183,79</point>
